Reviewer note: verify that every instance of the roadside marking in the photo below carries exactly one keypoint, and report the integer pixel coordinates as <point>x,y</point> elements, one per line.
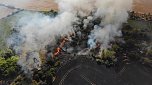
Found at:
<point>66,74</point>
<point>89,81</point>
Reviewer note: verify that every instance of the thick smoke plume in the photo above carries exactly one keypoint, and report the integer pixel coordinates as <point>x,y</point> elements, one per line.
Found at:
<point>35,30</point>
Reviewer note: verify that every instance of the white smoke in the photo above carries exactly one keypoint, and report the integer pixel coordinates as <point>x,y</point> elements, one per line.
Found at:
<point>80,7</point>
<point>37,30</point>
<point>113,13</point>
<point>41,30</point>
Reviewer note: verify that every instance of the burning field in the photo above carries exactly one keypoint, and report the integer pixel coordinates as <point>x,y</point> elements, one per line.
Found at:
<point>77,27</point>
<point>83,39</point>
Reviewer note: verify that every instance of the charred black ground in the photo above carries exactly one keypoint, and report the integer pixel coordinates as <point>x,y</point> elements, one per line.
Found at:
<point>128,67</point>
<point>129,60</point>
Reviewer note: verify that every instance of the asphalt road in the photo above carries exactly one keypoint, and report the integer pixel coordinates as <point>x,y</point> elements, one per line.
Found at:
<point>83,71</point>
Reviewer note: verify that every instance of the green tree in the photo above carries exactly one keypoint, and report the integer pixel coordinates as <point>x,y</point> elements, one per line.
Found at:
<point>8,63</point>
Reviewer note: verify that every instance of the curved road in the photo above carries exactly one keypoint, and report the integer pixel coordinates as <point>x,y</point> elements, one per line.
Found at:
<point>83,71</point>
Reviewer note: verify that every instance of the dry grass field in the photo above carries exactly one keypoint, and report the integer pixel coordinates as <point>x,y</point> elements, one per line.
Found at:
<point>143,6</point>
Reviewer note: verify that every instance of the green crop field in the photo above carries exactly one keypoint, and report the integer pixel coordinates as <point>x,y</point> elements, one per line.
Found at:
<point>6,25</point>
<point>5,28</point>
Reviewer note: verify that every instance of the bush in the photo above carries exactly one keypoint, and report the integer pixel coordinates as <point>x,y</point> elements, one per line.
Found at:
<point>115,47</point>
<point>107,58</point>
<point>6,53</point>
<point>108,54</point>
<point>8,66</point>
<point>149,52</point>
<point>147,60</point>
<point>8,63</point>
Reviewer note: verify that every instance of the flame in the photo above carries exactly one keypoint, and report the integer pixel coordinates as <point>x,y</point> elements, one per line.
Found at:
<point>59,49</point>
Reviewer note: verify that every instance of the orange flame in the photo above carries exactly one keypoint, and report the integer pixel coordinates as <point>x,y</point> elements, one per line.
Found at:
<point>58,49</point>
